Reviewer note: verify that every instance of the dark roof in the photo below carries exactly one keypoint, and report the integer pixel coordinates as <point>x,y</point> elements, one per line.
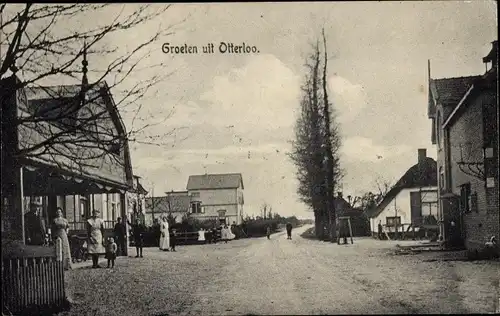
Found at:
<point>215,181</point>
<point>422,174</point>
<point>141,189</point>
<point>449,91</point>
<point>343,208</point>
<point>493,54</point>
<point>171,203</point>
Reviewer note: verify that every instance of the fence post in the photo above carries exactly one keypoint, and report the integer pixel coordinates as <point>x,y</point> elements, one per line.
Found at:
<point>59,255</point>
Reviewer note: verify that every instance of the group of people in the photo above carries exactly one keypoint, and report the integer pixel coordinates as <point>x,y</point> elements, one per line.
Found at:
<point>211,235</point>
<point>37,234</point>
<point>168,235</point>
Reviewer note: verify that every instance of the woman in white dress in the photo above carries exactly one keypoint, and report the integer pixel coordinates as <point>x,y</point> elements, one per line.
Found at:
<point>226,234</point>
<point>165,235</point>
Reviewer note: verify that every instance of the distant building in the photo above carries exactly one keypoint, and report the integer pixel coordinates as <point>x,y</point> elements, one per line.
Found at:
<point>464,115</point>
<point>359,221</point>
<point>175,203</point>
<point>136,201</point>
<point>411,202</point>
<point>217,196</point>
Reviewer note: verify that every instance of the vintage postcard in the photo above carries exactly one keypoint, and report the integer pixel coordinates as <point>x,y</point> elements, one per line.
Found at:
<point>266,158</point>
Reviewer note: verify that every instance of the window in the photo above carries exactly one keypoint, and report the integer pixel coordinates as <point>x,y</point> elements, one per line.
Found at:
<point>393,221</point>
<point>113,210</point>
<point>222,213</point>
<point>488,152</point>
<point>84,207</point>
<point>195,194</point>
<point>490,182</point>
<point>196,208</point>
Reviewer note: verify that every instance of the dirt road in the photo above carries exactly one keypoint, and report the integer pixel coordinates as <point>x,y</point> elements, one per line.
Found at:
<point>280,276</point>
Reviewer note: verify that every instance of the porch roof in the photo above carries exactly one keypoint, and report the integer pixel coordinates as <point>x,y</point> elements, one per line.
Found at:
<point>43,180</point>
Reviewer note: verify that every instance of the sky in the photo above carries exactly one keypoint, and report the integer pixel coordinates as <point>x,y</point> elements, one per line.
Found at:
<point>240,109</point>
<point>234,113</point>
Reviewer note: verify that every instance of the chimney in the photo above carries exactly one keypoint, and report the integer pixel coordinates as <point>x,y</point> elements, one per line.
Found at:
<point>339,195</point>
<point>492,55</point>
<point>422,154</point>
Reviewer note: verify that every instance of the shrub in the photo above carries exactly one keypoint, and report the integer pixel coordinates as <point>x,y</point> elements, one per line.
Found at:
<point>258,227</point>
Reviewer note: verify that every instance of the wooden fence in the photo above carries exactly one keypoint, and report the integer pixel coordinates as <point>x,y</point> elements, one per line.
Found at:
<point>82,226</point>
<point>33,281</point>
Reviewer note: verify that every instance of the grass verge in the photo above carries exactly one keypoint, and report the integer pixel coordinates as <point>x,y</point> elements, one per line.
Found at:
<point>308,234</point>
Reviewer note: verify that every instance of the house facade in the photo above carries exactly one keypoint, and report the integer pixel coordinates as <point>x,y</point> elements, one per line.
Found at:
<point>464,113</point>
<point>56,179</point>
<point>217,196</point>
<point>411,203</point>
<point>174,203</point>
<point>44,147</point>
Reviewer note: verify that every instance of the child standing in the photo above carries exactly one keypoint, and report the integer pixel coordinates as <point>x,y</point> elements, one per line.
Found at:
<point>173,240</point>
<point>111,248</point>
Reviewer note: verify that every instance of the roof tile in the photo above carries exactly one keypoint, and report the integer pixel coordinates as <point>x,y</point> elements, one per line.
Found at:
<point>451,90</point>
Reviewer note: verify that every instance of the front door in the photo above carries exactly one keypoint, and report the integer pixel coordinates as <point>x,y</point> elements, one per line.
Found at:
<point>454,224</point>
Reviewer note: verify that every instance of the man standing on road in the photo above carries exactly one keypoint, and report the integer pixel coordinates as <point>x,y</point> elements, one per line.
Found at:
<point>289,230</point>
<point>268,232</point>
<point>138,233</point>
<point>120,236</point>
<point>380,230</point>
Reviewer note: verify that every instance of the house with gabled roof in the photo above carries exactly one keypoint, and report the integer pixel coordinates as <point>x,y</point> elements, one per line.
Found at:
<point>64,146</point>
<point>411,202</point>
<point>464,114</point>
<point>174,203</point>
<point>217,196</point>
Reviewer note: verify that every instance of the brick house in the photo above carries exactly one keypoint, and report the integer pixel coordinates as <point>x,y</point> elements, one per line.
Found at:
<point>465,131</point>
<point>217,196</point>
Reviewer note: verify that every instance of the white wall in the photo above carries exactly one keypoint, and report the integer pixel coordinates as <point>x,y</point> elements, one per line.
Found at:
<point>220,199</point>
<point>402,204</point>
<point>216,197</point>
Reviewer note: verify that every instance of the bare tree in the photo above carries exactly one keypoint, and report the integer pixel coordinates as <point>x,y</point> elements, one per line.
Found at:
<point>369,200</point>
<point>71,125</point>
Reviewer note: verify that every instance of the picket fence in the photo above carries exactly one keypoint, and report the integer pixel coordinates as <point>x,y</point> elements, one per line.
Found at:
<point>33,281</point>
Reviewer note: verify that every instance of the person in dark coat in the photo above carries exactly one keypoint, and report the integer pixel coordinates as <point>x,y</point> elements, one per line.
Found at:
<point>214,235</point>
<point>380,236</point>
<point>35,229</point>
<point>138,234</point>
<point>173,239</point>
<point>289,230</point>
<point>120,232</point>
